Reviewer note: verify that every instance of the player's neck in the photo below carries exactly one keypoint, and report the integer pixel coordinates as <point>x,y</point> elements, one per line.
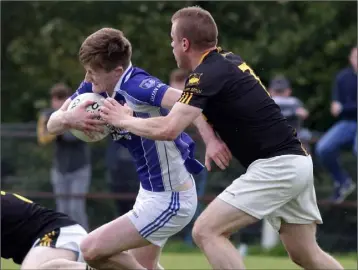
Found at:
<point>199,56</point>
<point>110,92</point>
<point>111,89</point>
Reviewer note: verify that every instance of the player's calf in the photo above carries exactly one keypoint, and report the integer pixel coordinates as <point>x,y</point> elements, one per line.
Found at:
<point>301,245</point>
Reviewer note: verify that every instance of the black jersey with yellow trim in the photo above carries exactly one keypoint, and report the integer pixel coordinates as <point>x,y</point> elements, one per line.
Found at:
<point>240,109</point>
<point>23,222</point>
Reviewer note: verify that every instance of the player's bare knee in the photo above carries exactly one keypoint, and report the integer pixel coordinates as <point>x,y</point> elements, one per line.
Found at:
<point>91,250</point>
<point>201,233</point>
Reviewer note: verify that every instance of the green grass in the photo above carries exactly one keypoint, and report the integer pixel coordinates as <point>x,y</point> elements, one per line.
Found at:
<point>198,261</point>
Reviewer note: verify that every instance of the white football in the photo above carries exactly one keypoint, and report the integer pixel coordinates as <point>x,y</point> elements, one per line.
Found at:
<point>96,136</point>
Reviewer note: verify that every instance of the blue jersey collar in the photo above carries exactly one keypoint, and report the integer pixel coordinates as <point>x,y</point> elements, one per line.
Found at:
<point>124,78</point>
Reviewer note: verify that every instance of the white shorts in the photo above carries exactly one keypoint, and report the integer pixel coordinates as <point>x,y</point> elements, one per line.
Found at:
<point>159,215</point>
<point>278,188</point>
<point>69,237</point>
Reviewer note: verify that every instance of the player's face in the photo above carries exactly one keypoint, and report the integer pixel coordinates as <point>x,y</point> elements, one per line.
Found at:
<point>179,49</point>
<point>103,81</point>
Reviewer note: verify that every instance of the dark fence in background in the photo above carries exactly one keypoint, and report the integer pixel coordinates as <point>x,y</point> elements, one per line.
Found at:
<point>25,169</point>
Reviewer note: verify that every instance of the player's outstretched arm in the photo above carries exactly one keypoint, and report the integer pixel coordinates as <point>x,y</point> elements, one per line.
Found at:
<point>78,118</point>
<point>156,128</point>
<point>169,127</point>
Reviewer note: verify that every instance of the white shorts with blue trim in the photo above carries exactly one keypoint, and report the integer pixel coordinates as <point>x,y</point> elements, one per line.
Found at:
<point>159,215</point>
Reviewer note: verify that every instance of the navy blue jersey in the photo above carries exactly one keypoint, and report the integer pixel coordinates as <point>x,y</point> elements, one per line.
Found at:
<point>161,165</point>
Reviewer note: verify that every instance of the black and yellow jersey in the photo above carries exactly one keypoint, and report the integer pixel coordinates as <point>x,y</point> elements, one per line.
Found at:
<point>239,108</point>
<point>23,222</point>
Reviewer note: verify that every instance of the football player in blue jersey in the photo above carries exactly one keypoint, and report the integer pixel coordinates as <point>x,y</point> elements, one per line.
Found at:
<point>167,198</point>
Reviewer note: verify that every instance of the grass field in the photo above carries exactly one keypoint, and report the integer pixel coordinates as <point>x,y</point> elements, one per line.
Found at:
<point>197,261</point>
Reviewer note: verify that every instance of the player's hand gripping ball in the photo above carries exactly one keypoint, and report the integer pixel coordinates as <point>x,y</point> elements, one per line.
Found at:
<point>90,136</point>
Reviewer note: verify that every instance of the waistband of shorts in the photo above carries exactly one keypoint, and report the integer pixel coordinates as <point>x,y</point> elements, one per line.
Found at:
<point>275,158</point>
<point>167,193</point>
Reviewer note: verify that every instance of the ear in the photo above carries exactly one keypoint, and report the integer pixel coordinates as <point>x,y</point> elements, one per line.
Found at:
<point>119,70</point>
<point>185,44</point>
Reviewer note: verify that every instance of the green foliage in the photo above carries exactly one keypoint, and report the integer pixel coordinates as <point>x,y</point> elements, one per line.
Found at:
<point>308,41</point>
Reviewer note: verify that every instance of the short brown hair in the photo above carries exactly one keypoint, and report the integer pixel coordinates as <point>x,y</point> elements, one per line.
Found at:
<point>197,25</point>
<point>106,49</point>
<point>60,91</point>
<point>179,75</point>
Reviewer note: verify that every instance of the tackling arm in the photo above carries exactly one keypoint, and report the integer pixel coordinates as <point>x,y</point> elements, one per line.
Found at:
<point>162,128</point>
<point>206,132</point>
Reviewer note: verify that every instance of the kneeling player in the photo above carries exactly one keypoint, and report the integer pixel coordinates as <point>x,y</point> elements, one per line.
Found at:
<point>37,237</point>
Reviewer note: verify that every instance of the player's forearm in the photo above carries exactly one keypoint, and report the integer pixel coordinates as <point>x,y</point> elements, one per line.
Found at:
<point>205,130</point>
<point>58,122</point>
<point>153,128</point>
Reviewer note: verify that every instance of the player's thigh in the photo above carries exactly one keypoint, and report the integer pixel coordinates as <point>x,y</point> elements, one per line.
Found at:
<point>160,215</point>
<point>302,209</point>
<point>220,218</point>
<point>268,184</point>
<point>39,256</point>
<point>111,238</point>
<point>147,256</point>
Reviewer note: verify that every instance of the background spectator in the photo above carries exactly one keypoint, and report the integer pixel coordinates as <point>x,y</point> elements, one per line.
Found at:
<point>122,175</point>
<point>344,131</point>
<point>291,107</point>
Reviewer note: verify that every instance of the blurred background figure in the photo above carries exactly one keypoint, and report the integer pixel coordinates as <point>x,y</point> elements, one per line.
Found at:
<point>344,131</point>
<point>71,168</point>
<point>122,175</point>
<point>177,80</point>
<point>291,107</point>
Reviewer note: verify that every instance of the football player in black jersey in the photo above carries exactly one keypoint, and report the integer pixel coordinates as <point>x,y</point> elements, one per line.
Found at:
<point>278,183</point>
<point>38,238</point>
